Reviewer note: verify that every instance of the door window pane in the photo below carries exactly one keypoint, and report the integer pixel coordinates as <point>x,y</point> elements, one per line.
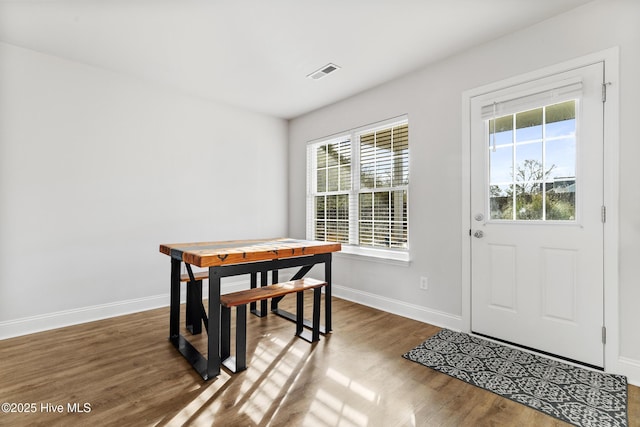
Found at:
<point>529,125</point>
<point>501,161</point>
<point>561,119</point>
<point>501,201</point>
<point>503,131</point>
<point>529,162</point>
<point>561,158</point>
<point>561,200</point>
<point>529,201</point>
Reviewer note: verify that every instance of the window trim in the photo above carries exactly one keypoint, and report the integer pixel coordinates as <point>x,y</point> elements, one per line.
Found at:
<point>395,256</point>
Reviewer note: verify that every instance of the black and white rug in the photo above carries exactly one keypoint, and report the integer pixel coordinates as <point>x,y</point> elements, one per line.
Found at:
<point>575,395</point>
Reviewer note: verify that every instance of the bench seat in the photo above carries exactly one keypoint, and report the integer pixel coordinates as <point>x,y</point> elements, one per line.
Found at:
<point>240,300</point>
<point>270,291</point>
<point>198,275</point>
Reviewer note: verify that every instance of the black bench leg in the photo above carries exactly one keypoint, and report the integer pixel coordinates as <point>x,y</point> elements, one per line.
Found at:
<point>239,362</point>
<point>315,327</point>
<point>299,314</point>
<point>241,338</point>
<point>193,319</point>
<point>225,333</point>
<point>317,292</point>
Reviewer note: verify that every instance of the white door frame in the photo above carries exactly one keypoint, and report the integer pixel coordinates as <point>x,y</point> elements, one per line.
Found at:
<point>611,189</point>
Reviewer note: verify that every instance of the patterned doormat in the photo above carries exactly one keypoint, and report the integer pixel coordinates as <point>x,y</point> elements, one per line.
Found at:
<point>575,395</point>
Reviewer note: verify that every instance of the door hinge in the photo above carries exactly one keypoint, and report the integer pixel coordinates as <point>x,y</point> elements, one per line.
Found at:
<point>603,213</point>
<point>604,91</point>
<point>604,335</point>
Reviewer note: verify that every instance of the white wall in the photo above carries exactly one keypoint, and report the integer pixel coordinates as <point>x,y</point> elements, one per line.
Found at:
<point>432,99</point>
<point>97,169</point>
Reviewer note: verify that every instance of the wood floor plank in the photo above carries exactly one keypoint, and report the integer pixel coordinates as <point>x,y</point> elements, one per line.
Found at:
<point>128,373</point>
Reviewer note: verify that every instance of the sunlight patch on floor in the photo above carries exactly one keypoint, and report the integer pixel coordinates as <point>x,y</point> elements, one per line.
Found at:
<point>332,411</point>
<point>354,386</point>
<point>268,378</point>
<point>327,409</point>
<point>202,400</point>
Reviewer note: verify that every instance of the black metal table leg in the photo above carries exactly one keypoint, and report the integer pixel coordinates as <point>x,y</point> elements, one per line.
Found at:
<point>263,304</point>
<point>254,282</point>
<point>274,280</point>
<point>213,350</point>
<point>327,295</point>
<point>174,314</point>
<point>193,356</point>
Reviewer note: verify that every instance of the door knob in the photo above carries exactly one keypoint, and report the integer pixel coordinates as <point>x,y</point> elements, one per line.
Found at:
<point>479,234</point>
<point>478,217</point>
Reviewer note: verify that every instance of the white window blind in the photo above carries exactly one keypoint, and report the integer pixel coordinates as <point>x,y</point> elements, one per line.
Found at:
<point>358,189</point>
<point>384,177</point>
<point>332,165</point>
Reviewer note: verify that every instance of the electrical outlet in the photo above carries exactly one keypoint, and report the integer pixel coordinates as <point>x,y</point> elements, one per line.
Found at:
<point>424,283</point>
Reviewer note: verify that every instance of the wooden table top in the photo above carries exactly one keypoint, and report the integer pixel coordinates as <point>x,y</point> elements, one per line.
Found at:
<point>210,254</point>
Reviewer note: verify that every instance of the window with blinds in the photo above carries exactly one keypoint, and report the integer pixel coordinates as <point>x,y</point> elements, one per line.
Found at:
<point>384,177</point>
<point>333,182</point>
<point>358,187</point>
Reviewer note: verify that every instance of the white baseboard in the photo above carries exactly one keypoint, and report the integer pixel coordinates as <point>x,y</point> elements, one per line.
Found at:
<point>630,368</point>
<point>60,319</point>
<point>401,308</point>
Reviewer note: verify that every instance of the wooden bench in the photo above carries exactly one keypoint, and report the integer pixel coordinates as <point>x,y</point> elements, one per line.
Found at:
<point>240,300</point>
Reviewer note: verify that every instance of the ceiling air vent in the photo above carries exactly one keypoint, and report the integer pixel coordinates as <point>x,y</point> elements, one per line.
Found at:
<point>327,69</point>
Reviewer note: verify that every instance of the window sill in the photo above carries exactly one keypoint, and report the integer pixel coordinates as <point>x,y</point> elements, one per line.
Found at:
<point>385,256</point>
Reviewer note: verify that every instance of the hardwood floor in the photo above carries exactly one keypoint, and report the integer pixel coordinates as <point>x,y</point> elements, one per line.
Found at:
<point>128,374</point>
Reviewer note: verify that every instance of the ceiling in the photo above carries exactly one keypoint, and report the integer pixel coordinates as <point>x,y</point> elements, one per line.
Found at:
<point>256,54</point>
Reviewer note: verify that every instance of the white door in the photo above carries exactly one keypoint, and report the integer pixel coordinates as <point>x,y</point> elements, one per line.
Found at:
<point>537,215</point>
